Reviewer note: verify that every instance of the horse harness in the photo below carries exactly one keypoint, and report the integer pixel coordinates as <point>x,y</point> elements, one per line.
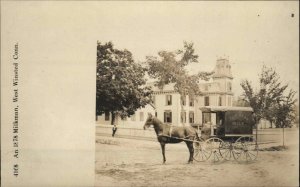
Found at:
<point>170,135</point>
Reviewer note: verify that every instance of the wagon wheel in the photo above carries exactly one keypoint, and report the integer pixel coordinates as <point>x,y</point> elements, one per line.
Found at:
<point>226,149</point>
<point>217,149</point>
<point>245,149</point>
<point>200,152</point>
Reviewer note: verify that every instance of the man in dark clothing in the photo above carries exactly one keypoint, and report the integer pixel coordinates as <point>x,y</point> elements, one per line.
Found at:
<point>114,130</point>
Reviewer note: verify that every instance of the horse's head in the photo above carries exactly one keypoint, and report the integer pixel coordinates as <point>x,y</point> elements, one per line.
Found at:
<point>149,121</point>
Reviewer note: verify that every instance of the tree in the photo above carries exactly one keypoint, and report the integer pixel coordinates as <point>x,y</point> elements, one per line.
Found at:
<point>240,102</point>
<point>284,110</point>
<point>120,82</point>
<point>262,100</point>
<point>296,108</point>
<point>170,67</point>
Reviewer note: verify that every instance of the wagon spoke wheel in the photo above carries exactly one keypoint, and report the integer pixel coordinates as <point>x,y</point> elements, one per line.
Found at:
<point>200,152</point>
<point>245,149</point>
<point>226,150</point>
<point>217,149</point>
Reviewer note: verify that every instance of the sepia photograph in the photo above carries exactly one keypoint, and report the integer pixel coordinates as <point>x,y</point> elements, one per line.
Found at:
<point>149,93</point>
<point>199,94</point>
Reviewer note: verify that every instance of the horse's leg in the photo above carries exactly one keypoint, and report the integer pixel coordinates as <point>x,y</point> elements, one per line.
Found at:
<point>163,151</point>
<point>191,150</point>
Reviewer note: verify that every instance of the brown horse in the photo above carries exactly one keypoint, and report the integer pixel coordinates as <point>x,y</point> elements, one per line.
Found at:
<point>168,134</point>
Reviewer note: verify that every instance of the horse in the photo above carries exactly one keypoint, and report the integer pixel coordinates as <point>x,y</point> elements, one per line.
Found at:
<point>167,134</point>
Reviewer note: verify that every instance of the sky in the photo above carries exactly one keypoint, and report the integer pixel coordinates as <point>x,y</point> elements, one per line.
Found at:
<point>250,34</point>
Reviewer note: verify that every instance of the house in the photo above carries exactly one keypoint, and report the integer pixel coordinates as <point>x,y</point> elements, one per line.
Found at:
<point>216,92</point>
<point>167,102</point>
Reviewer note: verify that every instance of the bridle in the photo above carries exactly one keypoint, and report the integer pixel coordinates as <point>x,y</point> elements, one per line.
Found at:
<point>149,122</point>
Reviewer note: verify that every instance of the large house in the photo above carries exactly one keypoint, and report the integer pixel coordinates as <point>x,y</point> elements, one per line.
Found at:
<point>167,102</point>
<point>216,92</point>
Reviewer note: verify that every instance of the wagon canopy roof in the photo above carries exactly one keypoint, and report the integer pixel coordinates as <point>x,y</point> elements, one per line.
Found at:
<point>224,109</point>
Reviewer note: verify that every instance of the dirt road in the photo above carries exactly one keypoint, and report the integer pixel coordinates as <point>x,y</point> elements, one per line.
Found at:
<point>124,162</point>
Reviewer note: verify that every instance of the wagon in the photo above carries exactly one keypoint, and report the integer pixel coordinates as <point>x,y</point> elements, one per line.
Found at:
<point>226,133</point>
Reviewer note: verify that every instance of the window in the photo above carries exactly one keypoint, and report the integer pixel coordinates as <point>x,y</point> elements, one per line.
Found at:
<point>183,117</point>
<point>229,101</point>
<point>191,117</point>
<point>155,114</point>
<point>153,99</point>
<point>168,117</point>
<point>206,101</point>
<point>220,101</point>
<point>106,116</point>
<point>229,86</point>
<point>183,100</point>
<point>168,99</point>
<point>141,116</point>
<point>133,117</point>
<point>191,101</point>
<point>206,118</point>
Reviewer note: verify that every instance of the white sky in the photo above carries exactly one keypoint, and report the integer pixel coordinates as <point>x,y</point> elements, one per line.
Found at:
<point>250,33</point>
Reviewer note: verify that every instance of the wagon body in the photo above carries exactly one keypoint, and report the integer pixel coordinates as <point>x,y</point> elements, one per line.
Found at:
<point>230,122</point>
<point>238,123</point>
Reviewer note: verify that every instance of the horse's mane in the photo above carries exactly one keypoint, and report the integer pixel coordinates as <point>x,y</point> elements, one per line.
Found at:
<point>160,122</point>
<point>155,119</point>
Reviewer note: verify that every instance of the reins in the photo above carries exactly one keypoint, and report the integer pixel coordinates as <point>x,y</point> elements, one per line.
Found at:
<point>183,139</point>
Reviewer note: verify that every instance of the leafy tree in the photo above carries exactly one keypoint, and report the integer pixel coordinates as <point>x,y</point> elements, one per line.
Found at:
<point>284,110</point>
<point>170,67</point>
<point>265,99</point>
<point>296,108</point>
<point>120,82</point>
<point>240,102</point>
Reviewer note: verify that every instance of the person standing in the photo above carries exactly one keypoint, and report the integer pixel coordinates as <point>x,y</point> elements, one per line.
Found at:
<point>114,130</point>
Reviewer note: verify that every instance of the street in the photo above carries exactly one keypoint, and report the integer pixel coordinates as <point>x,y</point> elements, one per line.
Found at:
<point>129,162</point>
